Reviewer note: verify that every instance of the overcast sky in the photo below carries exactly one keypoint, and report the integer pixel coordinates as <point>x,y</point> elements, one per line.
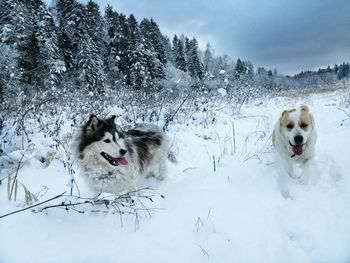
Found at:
<point>290,35</point>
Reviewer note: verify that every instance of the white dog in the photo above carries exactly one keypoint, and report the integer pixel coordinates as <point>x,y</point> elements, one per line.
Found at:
<point>294,138</point>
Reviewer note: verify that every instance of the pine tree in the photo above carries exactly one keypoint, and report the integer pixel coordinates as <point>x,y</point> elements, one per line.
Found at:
<point>174,45</point>
<point>155,57</point>
<point>31,62</point>
<point>188,51</point>
<point>89,58</point>
<point>33,4</point>
<point>343,71</point>
<point>250,69</point>
<point>35,36</point>
<point>13,20</point>
<point>154,38</point>
<point>95,27</point>
<point>48,36</point>
<point>82,43</point>
<point>137,73</point>
<point>208,60</point>
<point>178,48</point>
<point>168,49</point>
<point>134,33</point>
<point>158,42</point>
<point>335,68</point>
<point>66,49</point>
<point>67,15</point>
<point>110,21</point>
<point>122,44</point>
<point>2,94</point>
<point>240,69</point>
<point>195,67</point>
<point>112,57</point>
<point>139,60</point>
<point>9,71</point>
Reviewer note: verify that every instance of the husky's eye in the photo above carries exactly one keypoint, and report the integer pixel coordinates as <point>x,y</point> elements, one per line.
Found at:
<point>303,125</point>
<point>107,140</point>
<point>290,126</point>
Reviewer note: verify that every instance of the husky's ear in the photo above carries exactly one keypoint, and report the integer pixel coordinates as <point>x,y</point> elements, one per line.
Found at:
<point>92,124</point>
<point>112,121</point>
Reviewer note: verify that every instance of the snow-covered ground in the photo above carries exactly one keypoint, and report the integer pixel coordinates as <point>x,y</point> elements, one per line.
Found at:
<point>238,213</point>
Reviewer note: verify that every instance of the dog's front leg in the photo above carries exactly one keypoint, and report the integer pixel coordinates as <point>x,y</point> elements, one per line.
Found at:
<point>293,170</point>
<point>307,171</point>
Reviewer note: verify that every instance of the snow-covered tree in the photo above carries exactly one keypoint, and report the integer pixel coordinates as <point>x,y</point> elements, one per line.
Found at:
<point>179,54</point>
<point>13,20</point>
<point>77,50</point>
<point>343,71</point>
<point>208,61</point>
<point>240,69</point>
<point>31,60</point>
<point>156,58</point>
<point>66,48</point>
<point>195,66</point>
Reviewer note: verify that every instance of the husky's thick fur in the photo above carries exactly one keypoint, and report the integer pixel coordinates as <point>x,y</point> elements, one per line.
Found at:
<point>294,138</point>
<point>113,160</point>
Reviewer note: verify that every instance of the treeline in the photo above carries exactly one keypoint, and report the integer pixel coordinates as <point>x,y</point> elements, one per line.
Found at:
<point>72,48</point>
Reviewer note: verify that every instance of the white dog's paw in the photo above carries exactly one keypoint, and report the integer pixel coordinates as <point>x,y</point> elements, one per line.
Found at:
<point>295,177</point>
<point>297,172</point>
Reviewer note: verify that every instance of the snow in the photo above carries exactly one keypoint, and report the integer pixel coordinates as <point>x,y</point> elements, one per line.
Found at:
<point>222,92</point>
<point>241,212</point>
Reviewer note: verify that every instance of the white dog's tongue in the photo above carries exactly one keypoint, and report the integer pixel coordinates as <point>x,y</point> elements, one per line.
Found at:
<point>297,149</point>
<point>121,160</point>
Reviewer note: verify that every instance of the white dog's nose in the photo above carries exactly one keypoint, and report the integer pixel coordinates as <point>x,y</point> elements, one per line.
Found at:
<point>298,139</point>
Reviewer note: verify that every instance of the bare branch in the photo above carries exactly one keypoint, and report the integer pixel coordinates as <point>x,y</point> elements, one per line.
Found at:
<point>170,118</point>
<point>129,203</point>
<point>32,206</point>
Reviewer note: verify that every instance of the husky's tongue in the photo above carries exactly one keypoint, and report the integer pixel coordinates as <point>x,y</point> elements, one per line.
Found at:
<point>297,149</point>
<point>121,160</point>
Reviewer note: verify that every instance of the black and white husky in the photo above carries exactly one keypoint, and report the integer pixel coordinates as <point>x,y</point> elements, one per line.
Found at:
<point>113,161</point>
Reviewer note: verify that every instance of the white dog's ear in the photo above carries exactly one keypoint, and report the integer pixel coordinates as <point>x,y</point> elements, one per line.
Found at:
<point>284,112</point>
<point>92,124</point>
<point>304,108</point>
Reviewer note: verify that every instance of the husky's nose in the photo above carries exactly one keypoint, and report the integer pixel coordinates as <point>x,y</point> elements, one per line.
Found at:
<point>298,139</point>
<point>122,152</point>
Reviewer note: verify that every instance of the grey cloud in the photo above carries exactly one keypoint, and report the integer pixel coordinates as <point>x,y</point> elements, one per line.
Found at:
<point>290,35</point>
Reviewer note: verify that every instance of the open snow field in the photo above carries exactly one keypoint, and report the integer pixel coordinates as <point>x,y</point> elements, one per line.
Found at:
<point>241,212</point>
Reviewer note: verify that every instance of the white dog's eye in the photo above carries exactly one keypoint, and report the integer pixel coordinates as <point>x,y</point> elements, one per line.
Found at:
<point>290,126</point>
<point>303,125</point>
<point>107,141</point>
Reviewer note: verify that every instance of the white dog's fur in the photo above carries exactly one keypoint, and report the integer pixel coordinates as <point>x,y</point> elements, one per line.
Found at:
<point>132,155</point>
<point>294,138</point>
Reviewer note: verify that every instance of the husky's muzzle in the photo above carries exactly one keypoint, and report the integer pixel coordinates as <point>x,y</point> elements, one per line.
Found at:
<point>115,161</point>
